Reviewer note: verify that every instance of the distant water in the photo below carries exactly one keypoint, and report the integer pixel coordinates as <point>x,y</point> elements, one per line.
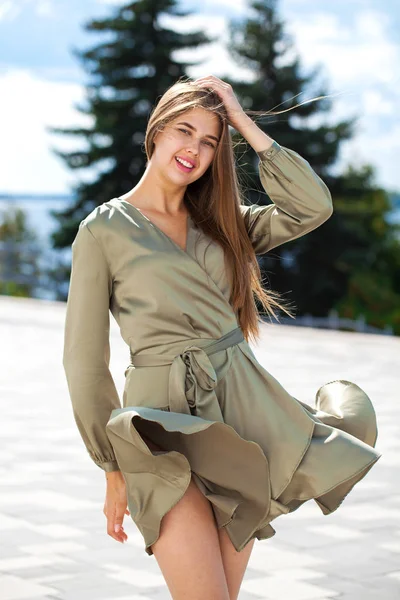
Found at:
<point>37,210</point>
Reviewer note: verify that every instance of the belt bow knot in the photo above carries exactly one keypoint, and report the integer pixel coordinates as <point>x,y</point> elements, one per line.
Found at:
<point>192,377</point>
<point>192,381</point>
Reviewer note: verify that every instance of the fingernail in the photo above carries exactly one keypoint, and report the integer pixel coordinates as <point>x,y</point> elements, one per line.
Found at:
<point>117,528</point>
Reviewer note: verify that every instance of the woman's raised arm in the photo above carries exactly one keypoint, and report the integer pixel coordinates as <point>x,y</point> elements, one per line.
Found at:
<point>301,200</point>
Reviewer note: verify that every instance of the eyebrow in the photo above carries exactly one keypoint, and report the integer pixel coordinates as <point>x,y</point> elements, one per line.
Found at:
<point>194,129</point>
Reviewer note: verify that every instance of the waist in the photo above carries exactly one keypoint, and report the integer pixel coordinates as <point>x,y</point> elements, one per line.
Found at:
<point>233,337</point>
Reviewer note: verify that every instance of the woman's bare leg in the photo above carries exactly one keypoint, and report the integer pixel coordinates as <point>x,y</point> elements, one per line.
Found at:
<point>234,562</point>
<point>188,551</point>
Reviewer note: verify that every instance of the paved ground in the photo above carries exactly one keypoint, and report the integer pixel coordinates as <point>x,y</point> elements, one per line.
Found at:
<point>53,539</point>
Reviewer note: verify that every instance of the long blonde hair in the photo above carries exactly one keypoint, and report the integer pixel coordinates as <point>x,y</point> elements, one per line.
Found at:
<point>214,200</point>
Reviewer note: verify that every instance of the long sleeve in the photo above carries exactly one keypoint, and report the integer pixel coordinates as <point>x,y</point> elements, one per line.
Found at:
<point>301,200</point>
<point>87,347</point>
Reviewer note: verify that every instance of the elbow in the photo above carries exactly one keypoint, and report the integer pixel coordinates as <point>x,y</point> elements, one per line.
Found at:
<point>326,203</point>
<point>72,366</point>
<point>325,209</point>
<point>66,361</point>
<point>327,212</point>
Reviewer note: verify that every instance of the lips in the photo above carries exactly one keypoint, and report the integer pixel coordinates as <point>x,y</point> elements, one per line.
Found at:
<point>182,167</point>
<point>189,160</point>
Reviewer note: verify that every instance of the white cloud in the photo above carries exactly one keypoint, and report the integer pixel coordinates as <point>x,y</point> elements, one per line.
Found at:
<point>360,62</point>
<point>375,103</point>
<point>45,8</point>
<point>11,9</point>
<point>29,105</point>
<point>381,151</point>
<point>357,57</point>
<point>213,58</point>
<point>206,5</point>
<point>112,2</point>
<point>232,5</point>
<point>8,10</point>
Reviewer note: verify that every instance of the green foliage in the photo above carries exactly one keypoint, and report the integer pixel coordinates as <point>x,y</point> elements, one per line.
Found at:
<point>19,255</point>
<point>357,249</point>
<point>371,295</point>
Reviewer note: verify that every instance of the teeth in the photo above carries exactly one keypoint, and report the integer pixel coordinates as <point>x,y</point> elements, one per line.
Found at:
<point>186,164</point>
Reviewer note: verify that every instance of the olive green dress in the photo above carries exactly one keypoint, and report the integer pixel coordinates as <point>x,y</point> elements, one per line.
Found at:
<point>193,385</point>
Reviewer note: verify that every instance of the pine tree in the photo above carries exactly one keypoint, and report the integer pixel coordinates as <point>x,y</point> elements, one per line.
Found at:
<point>319,271</point>
<point>128,72</point>
<point>260,44</point>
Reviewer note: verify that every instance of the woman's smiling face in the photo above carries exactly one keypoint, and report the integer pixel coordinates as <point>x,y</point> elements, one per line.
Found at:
<point>193,138</point>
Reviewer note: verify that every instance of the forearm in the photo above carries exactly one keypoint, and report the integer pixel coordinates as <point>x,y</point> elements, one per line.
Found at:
<point>257,139</point>
<point>112,476</point>
<point>86,353</point>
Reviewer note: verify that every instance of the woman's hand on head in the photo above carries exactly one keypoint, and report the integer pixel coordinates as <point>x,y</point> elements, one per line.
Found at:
<point>236,114</point>
<point>115,505</point>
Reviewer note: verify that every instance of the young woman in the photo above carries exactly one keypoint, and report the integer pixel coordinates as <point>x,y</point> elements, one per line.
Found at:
<point>208,447</point>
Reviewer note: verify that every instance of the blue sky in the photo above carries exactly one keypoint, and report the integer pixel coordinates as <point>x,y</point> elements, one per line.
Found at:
<point>356,44</point>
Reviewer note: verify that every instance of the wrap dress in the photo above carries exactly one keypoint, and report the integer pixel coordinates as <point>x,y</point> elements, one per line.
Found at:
<point>193,385</point>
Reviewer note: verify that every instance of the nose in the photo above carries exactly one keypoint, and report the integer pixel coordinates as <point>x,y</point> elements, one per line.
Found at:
<point>193,147</point>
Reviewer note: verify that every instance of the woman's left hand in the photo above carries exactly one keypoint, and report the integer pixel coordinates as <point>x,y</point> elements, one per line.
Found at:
<point>236,114</point>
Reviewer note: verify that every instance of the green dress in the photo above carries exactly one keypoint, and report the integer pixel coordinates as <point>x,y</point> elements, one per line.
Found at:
<point>193,385</point>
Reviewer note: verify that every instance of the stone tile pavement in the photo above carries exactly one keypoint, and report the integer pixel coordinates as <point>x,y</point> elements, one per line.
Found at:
<point>54,543</point>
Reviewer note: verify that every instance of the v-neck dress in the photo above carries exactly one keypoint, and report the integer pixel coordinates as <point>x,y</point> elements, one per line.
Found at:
<point>193,385</point>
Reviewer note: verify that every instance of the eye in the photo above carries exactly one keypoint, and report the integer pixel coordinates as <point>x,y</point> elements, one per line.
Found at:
<point>187,131</point>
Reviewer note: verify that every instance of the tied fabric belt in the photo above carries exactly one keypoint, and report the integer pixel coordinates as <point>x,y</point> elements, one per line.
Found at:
<point>192,378</point>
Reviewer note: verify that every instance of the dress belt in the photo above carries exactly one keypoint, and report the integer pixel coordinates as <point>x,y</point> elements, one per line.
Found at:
<point>192,378</point>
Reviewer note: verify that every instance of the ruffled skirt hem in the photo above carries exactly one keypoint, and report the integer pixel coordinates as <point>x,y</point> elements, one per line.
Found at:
<point>231,472</point>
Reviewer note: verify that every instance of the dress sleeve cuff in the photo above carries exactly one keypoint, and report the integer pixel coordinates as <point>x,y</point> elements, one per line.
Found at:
<point>270,152</point>
<point>109,466</point>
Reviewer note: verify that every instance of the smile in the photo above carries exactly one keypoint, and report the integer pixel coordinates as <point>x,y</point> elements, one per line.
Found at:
<point>184,165</point>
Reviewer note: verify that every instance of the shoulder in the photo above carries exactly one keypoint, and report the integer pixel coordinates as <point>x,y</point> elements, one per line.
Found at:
<point>99,218</point>
<point>94,228</point>
<point>105,220</point>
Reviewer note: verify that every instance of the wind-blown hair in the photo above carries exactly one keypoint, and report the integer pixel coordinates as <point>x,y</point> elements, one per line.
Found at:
<point>213,202</point>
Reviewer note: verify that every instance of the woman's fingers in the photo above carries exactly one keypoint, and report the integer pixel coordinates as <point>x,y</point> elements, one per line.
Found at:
<point>115,508</point>
<point>116,530</point>
<point>236,114</point>
<point>115,522</point>
<point>213,78</point>
<point>119,517</point>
